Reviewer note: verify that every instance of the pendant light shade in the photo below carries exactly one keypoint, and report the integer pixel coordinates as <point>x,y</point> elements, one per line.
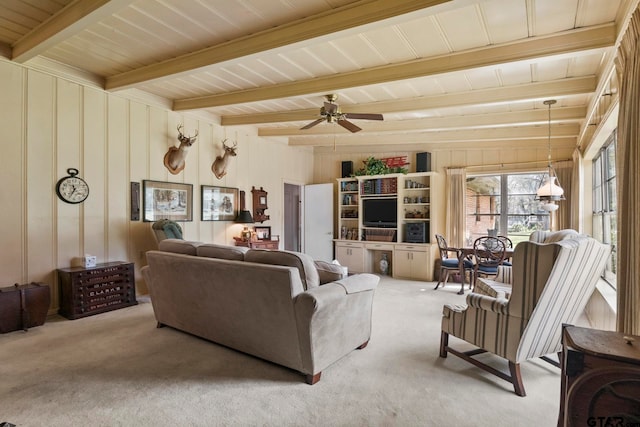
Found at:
<point>550,190</point>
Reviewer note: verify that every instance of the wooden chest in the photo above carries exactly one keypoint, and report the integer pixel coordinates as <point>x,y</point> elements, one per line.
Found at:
<point>23,306</point>
<point>88,291</point>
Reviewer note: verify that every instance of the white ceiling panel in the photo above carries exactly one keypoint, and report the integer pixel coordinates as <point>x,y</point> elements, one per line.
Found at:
<point>421,64</point>
<point>463,28</point>
<point>425,37</point>
<point>506,21</point>
<point>390,44</point>
<point>550,16</point>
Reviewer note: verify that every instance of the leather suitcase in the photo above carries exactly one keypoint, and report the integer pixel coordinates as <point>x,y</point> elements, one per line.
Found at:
<point>23,306</point>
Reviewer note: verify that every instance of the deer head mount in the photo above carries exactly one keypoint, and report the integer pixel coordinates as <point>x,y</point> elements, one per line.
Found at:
<point>174,160</point>
<point>219,166</point>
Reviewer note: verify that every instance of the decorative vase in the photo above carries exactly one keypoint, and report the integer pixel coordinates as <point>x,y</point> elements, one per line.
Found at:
<point>384,265</point>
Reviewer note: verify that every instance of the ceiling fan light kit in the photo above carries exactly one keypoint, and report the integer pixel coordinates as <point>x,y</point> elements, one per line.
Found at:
<point>331,113</point>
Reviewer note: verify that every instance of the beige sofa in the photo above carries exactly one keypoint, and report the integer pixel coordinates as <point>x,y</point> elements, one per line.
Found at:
<point>270,304</point>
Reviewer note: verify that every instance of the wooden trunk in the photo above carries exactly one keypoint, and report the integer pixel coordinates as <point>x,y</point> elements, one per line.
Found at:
<point>23,306</point>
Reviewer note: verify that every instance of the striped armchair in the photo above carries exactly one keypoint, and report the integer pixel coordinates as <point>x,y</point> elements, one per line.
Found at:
<point>551,284</point>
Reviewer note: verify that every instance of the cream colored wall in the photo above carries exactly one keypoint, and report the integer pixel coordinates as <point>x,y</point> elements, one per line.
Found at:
<point>50,124</point>
<point>498,157</point>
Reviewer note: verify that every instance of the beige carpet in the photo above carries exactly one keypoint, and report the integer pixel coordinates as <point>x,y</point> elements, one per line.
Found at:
<point>117,369</point>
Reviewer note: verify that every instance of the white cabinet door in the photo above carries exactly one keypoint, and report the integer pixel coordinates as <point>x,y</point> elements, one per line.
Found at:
<point>412,262</point>
<point>351,255</point>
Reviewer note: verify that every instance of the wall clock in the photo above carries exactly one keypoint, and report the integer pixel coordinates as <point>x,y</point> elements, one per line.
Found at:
<point>71,188</point>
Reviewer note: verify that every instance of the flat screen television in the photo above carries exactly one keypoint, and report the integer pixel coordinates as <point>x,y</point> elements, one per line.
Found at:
<point>380,213</point>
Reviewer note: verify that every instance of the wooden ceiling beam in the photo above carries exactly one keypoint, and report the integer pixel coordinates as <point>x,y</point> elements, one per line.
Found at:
<point>349,16</point>
<point>515,133</point>
<point>68,22</point>
<point>435,124</point>
<point>555,45</point>
<point>525,92</point>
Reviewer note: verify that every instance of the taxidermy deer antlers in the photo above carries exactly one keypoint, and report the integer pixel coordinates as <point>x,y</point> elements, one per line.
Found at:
<point>219,166</point>
<point>174,160</point>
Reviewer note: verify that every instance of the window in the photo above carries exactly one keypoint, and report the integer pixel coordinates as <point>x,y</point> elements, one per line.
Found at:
<point>487,213</point>
<point>605,226</point>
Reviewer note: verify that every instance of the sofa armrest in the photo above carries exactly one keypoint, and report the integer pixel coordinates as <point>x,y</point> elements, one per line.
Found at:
<point>334,319</point>
<point>358,283</point>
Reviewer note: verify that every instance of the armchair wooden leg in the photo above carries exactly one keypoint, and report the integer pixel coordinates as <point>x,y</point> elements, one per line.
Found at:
<point>516,379</point>
<point>444,343</point>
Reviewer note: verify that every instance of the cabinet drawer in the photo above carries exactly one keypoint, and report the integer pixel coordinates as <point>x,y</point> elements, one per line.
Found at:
<point>349,245</point>
<point>380,246</point>
<point>413,248</point>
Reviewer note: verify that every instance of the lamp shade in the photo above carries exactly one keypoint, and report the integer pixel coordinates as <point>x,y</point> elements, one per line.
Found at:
<point>244,217</point>
<point>549,207</point>
<point>550,190</point>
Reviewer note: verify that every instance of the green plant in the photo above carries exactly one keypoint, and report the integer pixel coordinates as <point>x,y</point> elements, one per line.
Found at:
<point>373,166</point>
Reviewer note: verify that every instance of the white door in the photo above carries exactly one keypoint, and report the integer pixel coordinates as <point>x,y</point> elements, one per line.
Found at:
<point>318,221</point>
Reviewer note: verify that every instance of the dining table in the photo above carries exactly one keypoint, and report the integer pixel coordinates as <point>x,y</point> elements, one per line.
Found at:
<point>467,251</point>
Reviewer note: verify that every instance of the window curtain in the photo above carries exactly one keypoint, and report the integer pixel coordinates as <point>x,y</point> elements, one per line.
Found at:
<point>628,179</point>
<point>456,183</point>
<point>564,171</point>
<point>577,191</point>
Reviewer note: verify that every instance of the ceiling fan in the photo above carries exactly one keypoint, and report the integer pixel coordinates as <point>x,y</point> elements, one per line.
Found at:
<point>331,113</point>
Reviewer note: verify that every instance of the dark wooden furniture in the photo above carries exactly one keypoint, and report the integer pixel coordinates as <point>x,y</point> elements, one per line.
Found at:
<point>600,383</point>
<point>259,205</point>
<point>88,291</point>
<point>465,253</point>
<point>23,306</point>
<point>259,244</point>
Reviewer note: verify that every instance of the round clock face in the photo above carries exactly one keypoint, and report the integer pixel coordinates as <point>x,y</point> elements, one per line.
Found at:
<point>72,189</point>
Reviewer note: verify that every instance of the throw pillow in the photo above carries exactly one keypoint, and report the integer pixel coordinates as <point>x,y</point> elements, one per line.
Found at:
<point>329,272</point>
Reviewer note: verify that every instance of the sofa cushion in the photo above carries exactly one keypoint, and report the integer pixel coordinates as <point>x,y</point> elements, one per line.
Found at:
<point>303,262</point>
<point>328,272</point>
<point>179,246</point>
<point>211,250</point>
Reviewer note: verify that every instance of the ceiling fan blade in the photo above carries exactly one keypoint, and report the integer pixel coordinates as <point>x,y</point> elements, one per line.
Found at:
<point>312,124</point>
<point>348,125</point>
<point>364,116</point>
<point>330,108</point>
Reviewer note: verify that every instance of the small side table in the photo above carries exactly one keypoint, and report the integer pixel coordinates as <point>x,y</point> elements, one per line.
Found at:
<point>259,244</point>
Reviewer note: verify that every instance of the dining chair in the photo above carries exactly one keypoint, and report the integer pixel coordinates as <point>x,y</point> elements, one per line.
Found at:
<point>508,244</point>
<point>449,264</point>
<point>488,254</point>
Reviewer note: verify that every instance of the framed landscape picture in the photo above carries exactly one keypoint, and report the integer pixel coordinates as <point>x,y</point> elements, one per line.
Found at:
<point>219,203</point>
<point>167,200</point>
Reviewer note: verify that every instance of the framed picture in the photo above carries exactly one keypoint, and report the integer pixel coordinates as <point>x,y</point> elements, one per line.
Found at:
<point>167,200</point>
<point>219,203</point>
<point>263,233</point>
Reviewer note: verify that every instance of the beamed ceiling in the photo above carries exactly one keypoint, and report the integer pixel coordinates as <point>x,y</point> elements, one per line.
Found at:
<point>440,71</point>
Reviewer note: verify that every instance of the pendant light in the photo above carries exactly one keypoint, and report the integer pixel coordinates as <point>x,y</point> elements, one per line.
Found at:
<point>550,191</point>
